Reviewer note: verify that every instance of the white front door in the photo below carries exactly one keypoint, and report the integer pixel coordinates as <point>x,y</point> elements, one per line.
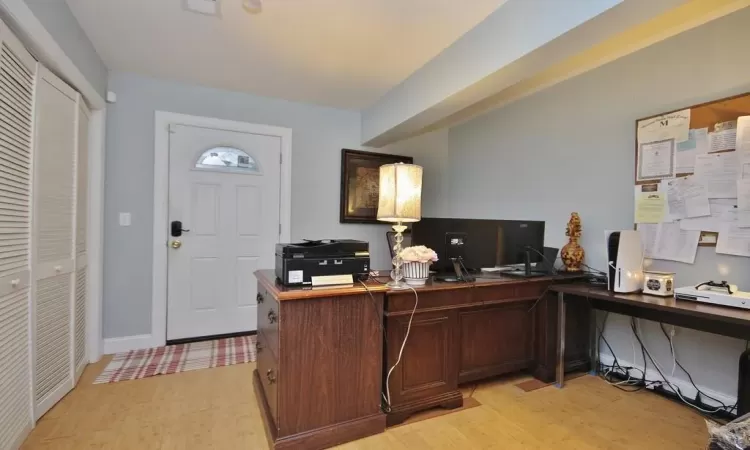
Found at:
<point>224,189</point>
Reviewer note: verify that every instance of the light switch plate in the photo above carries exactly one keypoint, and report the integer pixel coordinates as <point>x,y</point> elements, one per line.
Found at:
<point>124,219</point>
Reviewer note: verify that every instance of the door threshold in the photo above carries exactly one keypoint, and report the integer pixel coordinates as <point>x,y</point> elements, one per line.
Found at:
<point>210,338</point>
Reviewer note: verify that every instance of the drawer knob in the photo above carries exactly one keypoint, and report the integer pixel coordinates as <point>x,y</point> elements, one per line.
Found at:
<point>272,317</point>
<point>258,346</point>
<point>271,376</point>
<point>259,298</point>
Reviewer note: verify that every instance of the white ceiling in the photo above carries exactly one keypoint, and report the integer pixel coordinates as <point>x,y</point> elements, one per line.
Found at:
<point>341,53</point>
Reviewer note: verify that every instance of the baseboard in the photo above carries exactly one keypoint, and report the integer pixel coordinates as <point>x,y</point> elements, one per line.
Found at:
<point>128,343</point>
<point>687,389</point>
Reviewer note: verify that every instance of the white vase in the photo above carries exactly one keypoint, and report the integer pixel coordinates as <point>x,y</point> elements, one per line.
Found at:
<point>416,273</point>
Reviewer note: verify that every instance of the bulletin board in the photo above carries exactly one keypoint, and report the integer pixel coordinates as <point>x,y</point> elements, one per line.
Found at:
<point>704,115</point>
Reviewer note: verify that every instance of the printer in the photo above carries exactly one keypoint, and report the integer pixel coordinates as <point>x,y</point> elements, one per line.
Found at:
<point>321,263</point>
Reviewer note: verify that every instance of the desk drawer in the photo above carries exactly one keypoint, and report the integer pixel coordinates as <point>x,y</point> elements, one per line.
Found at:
<point>533,289</point>
<point>496,293</point>
<point>268,370</point>
<point>404,301</point>
<point>269,318</point>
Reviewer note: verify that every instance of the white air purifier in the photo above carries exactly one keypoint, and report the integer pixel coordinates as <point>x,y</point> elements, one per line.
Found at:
<point>624,261</point>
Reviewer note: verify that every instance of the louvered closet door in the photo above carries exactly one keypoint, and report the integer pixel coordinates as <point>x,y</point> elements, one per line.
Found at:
<point>81,220</point>
<point>17,72</point>
<point>53,233</point>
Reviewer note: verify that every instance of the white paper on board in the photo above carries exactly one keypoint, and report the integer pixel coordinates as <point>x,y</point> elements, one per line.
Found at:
<point>675,244</point>
<point>656,160</point>
<point>733,240</point>
<point>722,210</point>
<point>722,140</point>
<point>719,172</point>
<point>696,144</point>
<point>674,125</point>
<point>687,197</point>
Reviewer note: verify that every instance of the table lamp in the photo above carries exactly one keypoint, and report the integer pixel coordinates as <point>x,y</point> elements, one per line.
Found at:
<point>399,202</point>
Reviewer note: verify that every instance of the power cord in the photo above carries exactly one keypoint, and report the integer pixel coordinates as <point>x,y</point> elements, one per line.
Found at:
<point>624,372</point>
<point>677,363</point>
<point>387,395</point>
<point>378,311</point>
<point>674,388</point>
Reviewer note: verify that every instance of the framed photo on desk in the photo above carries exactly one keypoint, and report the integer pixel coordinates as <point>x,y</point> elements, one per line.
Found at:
<point>360,184</point>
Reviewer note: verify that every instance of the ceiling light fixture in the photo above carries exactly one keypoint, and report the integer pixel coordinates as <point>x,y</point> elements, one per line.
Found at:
<point>253,6</point>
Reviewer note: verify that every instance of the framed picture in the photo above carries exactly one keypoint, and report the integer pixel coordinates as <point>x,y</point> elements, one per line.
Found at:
<point>360,177</point>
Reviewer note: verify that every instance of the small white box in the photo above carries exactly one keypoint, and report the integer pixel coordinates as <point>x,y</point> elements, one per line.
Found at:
<point>658,283</point>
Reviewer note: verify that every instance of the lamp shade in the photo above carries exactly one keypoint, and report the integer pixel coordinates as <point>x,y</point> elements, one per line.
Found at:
<point>400,198</point>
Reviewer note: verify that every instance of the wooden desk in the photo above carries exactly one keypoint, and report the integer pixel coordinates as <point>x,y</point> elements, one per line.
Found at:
<point>322,361</point>
<point>725,321</point>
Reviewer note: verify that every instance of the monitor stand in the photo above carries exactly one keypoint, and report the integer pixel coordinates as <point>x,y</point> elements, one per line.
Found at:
<point>526,272</point>
<point>461,273</point>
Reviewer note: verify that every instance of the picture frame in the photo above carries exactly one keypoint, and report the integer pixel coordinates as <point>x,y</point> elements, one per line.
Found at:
<point>360,178</point>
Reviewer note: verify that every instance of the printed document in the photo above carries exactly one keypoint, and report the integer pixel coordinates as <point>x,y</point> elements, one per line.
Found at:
<point>656,160</point>
<point>675,244</point>
<point>719,171</point>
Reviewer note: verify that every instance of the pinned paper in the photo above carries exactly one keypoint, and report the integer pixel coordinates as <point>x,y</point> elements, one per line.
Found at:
<point>733,240</point>
<point>656,160</point>
<point>674,125</point>
<point>719,171</point>
<point>722,140</point>
<point>650,204</point>
<point>723,210</point>
<point>648,233</point>
<point>742,144</point>
<point>687,197</point>
<point>696,144</point>
<point>675,244</point>
<point>743,203</point>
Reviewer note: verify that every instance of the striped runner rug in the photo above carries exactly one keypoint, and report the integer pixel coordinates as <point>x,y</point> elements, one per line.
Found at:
<point>178,358</point>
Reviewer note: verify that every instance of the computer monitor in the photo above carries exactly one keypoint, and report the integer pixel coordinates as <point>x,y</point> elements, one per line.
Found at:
<point>480,243</point>
<point>515,240</point>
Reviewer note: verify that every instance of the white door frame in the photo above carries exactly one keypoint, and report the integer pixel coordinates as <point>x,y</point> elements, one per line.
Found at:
<point>161,199</point>
<point>40,42</point>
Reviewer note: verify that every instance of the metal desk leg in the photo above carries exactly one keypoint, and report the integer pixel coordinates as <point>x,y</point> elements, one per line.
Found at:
<point>560,340</point>
<point>593,343</point>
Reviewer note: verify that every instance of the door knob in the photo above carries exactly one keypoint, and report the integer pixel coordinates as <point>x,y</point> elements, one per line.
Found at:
<point>176,244</point>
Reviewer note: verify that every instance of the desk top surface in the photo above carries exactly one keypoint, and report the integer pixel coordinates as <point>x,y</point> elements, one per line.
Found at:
<point>666,304</point>
<point>267,278</point>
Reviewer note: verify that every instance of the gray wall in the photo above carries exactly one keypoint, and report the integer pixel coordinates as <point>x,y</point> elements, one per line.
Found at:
<point>431,152</point>
<point>571,148</point>
<point>59,21</point>
<point>319,134</point>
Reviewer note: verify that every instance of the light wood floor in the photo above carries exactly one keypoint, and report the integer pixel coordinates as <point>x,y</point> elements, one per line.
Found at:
<point>216,409</point>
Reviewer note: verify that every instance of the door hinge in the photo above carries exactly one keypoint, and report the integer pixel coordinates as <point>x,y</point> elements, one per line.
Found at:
<point>281,158</point>
<point>279,229</point>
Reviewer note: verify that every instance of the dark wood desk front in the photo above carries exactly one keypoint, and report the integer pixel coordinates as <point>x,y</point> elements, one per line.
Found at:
<point>464,332</point>
<point>725,321</point>
<point>323,356</point>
